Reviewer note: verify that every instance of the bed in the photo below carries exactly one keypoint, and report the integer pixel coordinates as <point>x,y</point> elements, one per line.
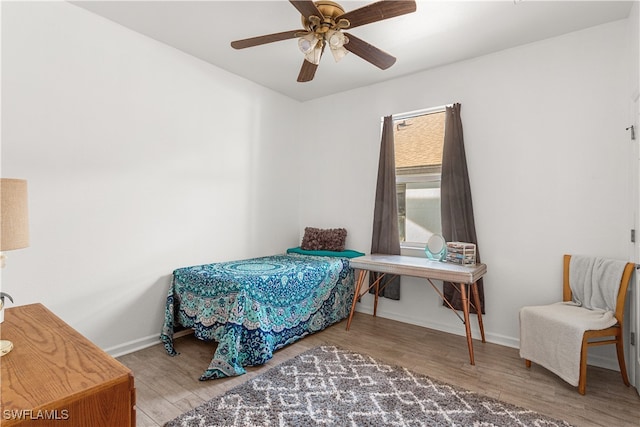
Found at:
<point>256,306</point>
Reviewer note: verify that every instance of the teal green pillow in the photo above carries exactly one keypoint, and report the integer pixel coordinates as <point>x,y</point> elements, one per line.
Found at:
<point>347,253</point>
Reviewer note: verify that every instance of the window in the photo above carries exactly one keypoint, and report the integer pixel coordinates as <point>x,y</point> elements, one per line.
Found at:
<point>418,139</point>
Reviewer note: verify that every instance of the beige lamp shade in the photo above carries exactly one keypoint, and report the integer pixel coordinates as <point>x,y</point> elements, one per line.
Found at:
<point>15,215</point>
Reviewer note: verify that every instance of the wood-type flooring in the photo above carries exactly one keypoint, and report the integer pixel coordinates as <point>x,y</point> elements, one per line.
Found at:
<point>168,386</point>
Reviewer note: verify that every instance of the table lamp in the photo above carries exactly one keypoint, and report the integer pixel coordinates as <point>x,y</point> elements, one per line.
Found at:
<point>14,233</point>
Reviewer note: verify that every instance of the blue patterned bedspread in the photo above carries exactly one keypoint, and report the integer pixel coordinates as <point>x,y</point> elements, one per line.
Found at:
<point>256,306</point>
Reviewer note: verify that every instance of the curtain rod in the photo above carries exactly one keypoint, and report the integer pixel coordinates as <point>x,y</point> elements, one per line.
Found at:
<point>422,112</point>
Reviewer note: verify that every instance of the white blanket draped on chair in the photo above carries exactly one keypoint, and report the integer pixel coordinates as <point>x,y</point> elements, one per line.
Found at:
<point>551,335</point>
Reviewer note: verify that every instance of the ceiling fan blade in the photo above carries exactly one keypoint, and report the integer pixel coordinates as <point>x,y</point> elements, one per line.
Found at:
<point>378,11</point>
<point>369,53</point>
<point>307,8</point>
<point>307,72</point>
<point>269,38</point>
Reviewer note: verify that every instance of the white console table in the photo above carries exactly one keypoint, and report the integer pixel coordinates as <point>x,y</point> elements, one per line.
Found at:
<point>398,265</point>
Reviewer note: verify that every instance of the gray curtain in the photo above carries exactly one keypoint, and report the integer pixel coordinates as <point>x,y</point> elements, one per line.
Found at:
<point>386,238</point>
<point>455,198</point>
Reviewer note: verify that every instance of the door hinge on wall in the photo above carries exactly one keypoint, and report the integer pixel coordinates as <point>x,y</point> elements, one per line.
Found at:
<point>633,132</point>
<point>632,339</point>
<point>632,128</point>
<point>633,235</point>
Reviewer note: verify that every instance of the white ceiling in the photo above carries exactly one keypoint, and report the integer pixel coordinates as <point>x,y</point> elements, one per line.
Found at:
<point>438,33</point>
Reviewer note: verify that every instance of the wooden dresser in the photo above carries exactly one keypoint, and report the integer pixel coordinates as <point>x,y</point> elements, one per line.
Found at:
<point>56,377</point>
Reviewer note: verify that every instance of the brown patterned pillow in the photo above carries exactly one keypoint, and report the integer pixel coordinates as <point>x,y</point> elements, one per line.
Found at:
<point>329,239</point>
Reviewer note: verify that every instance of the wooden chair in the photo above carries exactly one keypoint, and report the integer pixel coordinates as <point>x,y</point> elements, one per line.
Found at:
<point>611,335</point>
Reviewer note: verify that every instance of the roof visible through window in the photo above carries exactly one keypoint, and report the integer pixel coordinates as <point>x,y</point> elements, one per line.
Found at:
<point>418,141</point>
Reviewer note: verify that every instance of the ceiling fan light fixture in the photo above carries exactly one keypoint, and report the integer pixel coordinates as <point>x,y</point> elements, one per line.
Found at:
<point>308,43</point>
<point>339,53</point>
<point>336,41</point>
<point>315,54</point>
<point>311,45</point>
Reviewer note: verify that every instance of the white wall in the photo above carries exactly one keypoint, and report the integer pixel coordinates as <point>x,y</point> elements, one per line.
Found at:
<point>547,152</point>
<point>139,159</point>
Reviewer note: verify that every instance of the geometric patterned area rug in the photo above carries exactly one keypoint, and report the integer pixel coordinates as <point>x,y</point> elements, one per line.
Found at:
<point>329,386</point>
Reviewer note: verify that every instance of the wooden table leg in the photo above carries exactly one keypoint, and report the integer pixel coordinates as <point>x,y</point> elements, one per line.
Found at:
<point>375,301</point>
<point>476,300</point>
<point>467,326</point>
<point>356,295</point>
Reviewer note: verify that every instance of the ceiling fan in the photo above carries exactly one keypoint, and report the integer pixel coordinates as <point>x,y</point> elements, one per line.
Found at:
<point>324,22</point>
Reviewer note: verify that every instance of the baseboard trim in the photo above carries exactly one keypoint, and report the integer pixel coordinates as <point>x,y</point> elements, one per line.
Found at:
<point>593,360</point>
<point>475,330</point>
<point>141,344</point>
